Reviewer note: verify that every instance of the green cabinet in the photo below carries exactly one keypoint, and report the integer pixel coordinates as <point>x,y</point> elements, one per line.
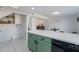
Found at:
<point>38,43</point>
<point>31,42</point>
<point>43,46</point>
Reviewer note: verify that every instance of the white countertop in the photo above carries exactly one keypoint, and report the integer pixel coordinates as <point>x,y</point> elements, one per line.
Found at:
<point>66,37</point>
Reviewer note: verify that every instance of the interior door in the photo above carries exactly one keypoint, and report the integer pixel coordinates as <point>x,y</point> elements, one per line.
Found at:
<point>43,46</point>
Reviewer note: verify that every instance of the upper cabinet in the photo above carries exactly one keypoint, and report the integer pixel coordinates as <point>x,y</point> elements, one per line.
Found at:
<point>10,19</point>
<point>18,18</point>
<point>14,18</point>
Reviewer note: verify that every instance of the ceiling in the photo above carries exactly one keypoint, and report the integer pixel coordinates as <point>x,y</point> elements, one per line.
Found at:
<point>47,10</point>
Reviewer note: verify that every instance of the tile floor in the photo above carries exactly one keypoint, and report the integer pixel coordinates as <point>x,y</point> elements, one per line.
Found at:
<point>17,45</point>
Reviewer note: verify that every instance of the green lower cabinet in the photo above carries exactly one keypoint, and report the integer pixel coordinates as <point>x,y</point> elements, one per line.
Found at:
<point>37,44</point>
<point>31,44</point>
<point>43,46</point>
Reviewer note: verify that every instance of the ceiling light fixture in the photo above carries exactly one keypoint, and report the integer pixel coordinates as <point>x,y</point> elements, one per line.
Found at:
<point>33,8</point>
<point>56,13</point>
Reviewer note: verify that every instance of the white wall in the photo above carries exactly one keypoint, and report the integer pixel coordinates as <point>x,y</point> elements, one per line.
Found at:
<point>11,31</point>
<point>35,21</point>
<point>4,12</point>
<point>7,32</point>
<point>67,24</point>
<point>23,27</point>
<point>78,27</point>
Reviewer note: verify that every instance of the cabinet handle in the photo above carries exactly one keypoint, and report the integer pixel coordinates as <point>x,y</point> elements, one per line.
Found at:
<point>35,41</point>
<point>30,35</point>
<point>42,38</point>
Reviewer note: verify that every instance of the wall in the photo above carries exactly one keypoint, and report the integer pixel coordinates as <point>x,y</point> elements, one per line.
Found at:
<point>23,27</point>
<point>77,23</point>
<point>4,12</point>
<point>29,22</point>
<point>36,21</point>
<point>67,24</point>
<point>11,31</point>
<point>78,27</point>
<point>7,32</point>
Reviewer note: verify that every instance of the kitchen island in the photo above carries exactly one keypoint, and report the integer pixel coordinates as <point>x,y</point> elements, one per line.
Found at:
<point>61,39</point>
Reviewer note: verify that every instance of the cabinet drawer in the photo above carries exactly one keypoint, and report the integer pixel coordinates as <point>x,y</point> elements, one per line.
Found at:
<point>44,46</point>
<point>38,37</point>
<point>32,35</point>
<point>45,39</point>
<point>48,40</point>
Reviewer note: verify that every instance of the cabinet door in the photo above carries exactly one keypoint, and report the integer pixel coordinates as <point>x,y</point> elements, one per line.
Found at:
<point>43,46</point>
<point>31,43</point>
<point>18,18</point>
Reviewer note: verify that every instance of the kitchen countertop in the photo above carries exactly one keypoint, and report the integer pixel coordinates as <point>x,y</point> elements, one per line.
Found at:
<point>66,37</point>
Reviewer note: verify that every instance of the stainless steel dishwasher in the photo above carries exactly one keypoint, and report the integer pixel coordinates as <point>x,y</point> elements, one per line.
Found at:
<point>61,46</point>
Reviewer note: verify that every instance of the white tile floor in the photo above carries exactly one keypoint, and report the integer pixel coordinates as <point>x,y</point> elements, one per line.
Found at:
<point>18,45</point>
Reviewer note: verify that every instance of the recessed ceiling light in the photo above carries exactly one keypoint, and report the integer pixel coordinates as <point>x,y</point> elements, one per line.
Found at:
<point>56,13</point>
<point>33,8</point>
